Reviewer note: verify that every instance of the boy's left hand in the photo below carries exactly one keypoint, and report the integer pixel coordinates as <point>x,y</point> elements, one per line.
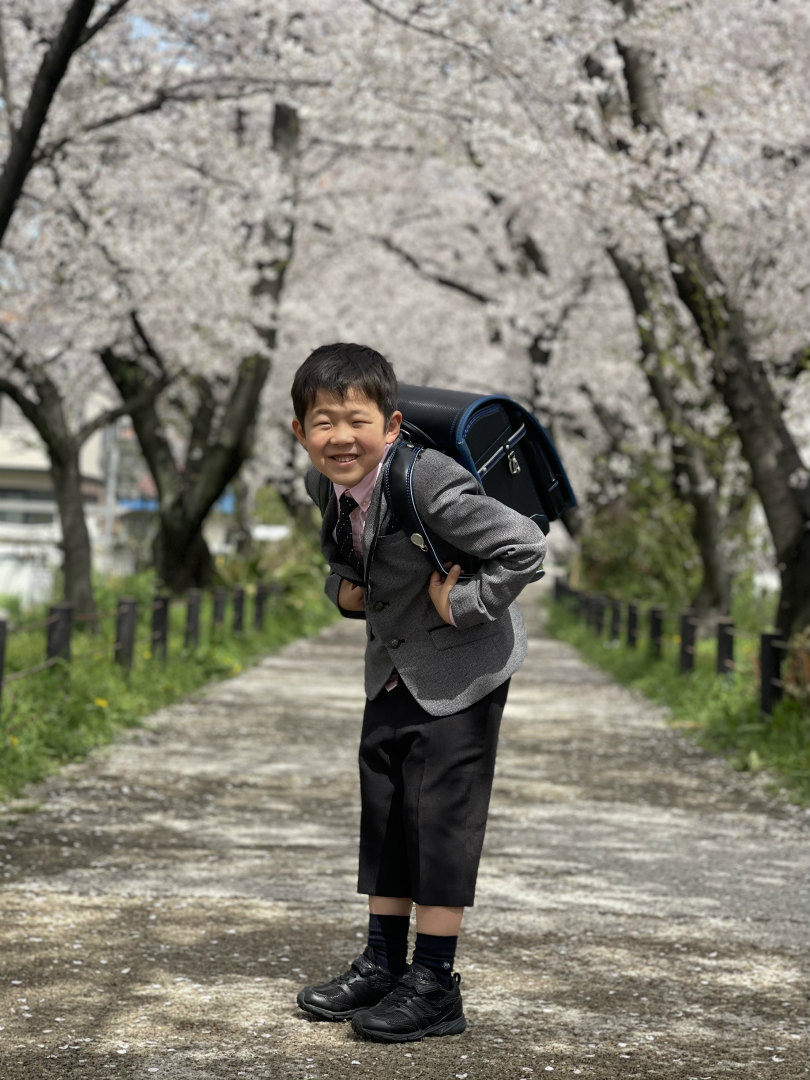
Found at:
<point>439,590</point>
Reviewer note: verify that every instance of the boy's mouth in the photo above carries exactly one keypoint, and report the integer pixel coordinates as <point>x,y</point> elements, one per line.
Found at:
<point>344,459</point>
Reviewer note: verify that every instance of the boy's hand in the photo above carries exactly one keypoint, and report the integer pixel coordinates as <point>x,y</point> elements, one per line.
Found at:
<point>439,590</point>
<point>350,597</point>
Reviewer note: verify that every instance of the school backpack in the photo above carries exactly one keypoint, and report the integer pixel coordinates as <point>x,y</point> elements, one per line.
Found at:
<point>500,442</point>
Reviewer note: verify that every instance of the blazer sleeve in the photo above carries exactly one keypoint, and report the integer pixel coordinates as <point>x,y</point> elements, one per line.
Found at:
<point>511,546</point>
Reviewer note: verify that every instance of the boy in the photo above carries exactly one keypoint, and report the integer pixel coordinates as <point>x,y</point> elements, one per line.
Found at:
<point>439,656</point>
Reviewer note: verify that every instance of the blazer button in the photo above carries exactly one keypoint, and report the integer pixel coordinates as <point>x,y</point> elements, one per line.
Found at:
<point>380,605</point>
<point>393,643</point>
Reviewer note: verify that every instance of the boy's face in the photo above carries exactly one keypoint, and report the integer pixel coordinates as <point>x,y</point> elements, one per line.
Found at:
<point>345,437</point>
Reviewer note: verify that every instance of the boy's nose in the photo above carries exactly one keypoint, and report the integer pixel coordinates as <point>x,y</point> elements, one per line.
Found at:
<point>342,434</point>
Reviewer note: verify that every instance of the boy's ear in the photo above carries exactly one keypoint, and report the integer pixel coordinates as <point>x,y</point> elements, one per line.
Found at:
<point>393,427</point>
<point>300,434</point>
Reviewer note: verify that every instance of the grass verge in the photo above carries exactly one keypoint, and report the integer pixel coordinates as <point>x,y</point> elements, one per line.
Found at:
<point>720,712</point>
<point>59,714</point>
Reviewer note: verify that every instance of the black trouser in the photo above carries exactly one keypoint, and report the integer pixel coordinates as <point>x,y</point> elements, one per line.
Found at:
<point>425,783</point>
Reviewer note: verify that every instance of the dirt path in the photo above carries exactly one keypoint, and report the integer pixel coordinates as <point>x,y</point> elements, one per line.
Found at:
<point>642,911</point>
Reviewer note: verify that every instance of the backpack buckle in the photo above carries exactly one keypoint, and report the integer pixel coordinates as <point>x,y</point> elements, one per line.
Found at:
<point>514,464</point>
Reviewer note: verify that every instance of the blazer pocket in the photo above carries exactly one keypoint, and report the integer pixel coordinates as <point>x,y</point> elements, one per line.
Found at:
<point>450,637</point>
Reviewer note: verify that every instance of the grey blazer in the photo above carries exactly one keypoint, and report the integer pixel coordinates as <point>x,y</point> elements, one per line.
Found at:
<point>446,668</point>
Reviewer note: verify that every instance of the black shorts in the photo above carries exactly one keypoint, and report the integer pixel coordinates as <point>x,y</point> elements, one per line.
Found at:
<point>425,783</point>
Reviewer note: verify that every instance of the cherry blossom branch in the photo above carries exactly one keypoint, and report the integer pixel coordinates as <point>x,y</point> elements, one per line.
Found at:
<point>52,70</point>
<point>91,31</point>
<point>5,82</point>
<point>431,275</point>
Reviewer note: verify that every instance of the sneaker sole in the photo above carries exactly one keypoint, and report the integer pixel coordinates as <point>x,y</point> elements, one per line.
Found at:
<point>446,1027</point>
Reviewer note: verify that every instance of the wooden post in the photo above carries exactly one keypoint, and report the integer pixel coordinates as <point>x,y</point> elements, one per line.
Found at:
<point>60,628</point>
<point>125,619</point>
<point>192,638</point>
<point>218,613</point>
<point>160,626</point>
<point>238,610</point>
<point>770,665</point>
<point>258,610</point>
<point>599,614</point>
<point>615,619</point>
<point>656,631</point>
<point>632,625</point>
<point>725,646</point>
<point>3,633</point>
<point>688,634</point>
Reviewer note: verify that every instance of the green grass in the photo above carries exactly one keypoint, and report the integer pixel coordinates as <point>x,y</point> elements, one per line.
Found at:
<point>721,712</point>
<point>61,713</point>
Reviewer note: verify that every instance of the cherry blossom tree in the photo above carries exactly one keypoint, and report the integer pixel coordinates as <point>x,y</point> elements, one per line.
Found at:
<point>139,196</point>
<point>708,207</point>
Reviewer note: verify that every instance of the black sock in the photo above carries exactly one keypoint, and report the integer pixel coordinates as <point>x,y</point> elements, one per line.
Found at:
<point>388,937</point>
<point>438,954</point>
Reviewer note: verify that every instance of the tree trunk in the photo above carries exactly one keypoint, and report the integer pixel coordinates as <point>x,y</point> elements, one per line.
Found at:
<point>24,139</point>
<point>181,555</point>
<point>78,564</point>
<point>778,473</point>
<point>699,488</point>
<point>221,440</point>
<point>46,413</point>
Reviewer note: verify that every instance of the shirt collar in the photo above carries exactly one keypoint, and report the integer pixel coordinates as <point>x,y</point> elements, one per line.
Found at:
<point>363,489</point>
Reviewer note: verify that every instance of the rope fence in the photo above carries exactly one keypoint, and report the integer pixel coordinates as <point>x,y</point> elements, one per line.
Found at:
<point>593,608</point>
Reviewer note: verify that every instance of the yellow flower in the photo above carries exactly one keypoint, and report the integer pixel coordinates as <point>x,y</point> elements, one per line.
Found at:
<point>101,702</point>
<point>13,740</point>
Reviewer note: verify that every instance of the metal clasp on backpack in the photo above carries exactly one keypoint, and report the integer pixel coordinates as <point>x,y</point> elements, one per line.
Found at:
<point>514,464</point>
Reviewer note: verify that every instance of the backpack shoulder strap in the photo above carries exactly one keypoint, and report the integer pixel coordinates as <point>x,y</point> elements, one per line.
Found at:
<point>398,487</point>
<point>325,490</point>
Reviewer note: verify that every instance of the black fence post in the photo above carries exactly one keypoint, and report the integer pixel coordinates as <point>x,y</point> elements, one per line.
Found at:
<point>688,633</point>
<point>632,625</point>
<point>160,626</point>
<point>125,619</point>
<point>615,619</point>
<point>218,610</point>
<point>3,632</point>
<point>238,610</point>
<point>192,638</point>
<point>258,609</point>
<point>599,614</point>
<point>725,646</point>
<point>60,627</point>
<point>656,631</point>
<point>770,666</point>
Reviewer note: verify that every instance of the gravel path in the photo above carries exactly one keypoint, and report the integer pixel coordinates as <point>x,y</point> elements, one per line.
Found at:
<point>642,910</point>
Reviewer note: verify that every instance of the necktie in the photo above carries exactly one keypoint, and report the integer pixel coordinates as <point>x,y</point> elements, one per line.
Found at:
<point>343,534</point>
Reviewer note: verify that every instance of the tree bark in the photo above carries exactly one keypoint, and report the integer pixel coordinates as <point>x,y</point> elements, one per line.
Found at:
<point>701,488</point>
<point>47,415</point>
<point>76,548</point>
<point>778,473</point>
<point>24,139</point>
<point>221,440</point>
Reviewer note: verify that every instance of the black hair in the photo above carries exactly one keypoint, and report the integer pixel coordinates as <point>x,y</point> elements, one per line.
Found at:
<point>340,368</point>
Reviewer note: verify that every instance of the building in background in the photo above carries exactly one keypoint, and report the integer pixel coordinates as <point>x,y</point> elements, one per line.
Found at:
<point>30,532</point>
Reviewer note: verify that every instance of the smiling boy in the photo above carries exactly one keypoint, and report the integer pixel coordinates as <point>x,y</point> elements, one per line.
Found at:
<point>439,656</point>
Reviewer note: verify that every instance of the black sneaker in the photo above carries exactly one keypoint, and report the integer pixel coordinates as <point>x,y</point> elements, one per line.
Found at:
<point>419,1006</point>
<point>363,985</point>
